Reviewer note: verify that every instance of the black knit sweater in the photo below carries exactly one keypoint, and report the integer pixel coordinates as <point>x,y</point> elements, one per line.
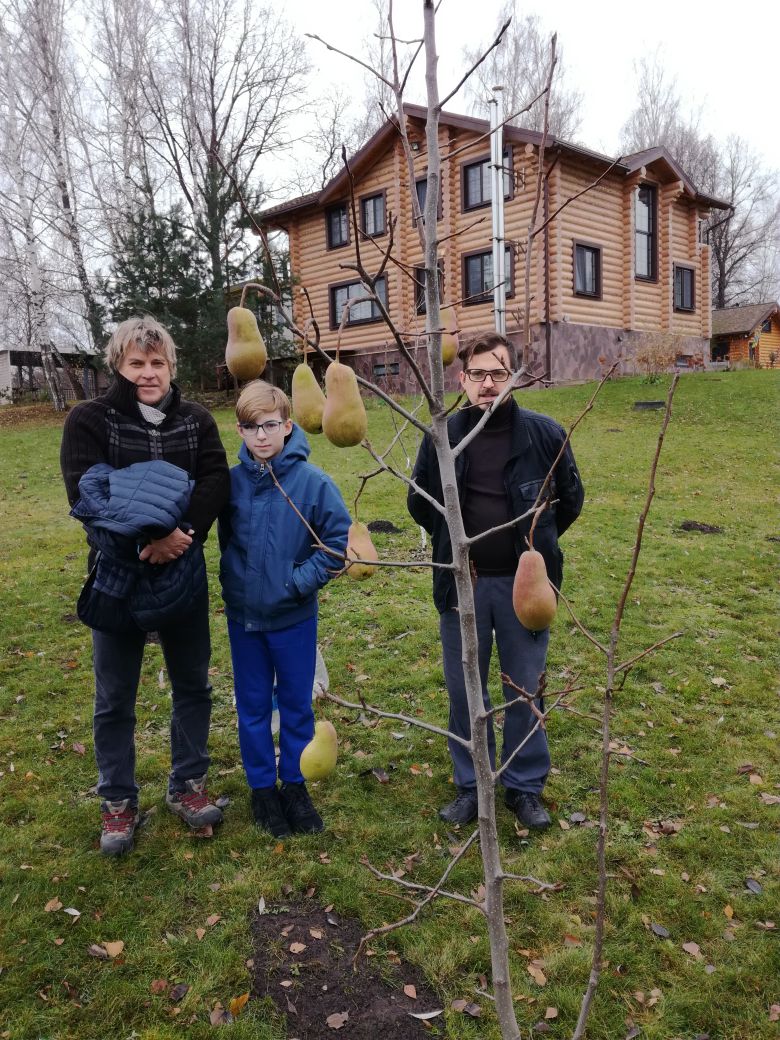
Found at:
<point>110,429</point>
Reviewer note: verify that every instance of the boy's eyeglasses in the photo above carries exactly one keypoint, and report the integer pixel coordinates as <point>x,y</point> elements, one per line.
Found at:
<point>269,427</point>
<point>479,375</point>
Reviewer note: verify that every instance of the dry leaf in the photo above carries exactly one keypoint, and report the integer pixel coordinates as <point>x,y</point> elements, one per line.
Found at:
<point>337,1020</point>
<point>297,947</point>
<point>113,949</point>
<point>158,986</point>
<point>237,1004</point>
<point>213,919</point>
<point>315,933</point>
<point>79,749</point>
<point>551,1012</point>
<point>571,940</point>
<point>58,942</point>
<point>756,779</point>
<point>178,992</point>
<point>728,910</point>
<point>410,991</point>
<point>200,932</point>
<point>52,905</point>
<point>774,1013</point>
<point>220,1017</point>
<point>536,974</point>
<point>694,950</point>
<point>97,951</point>
<point>769,799</point>
<point>424,1016</point>
<point>72,911</point>
<point>286,983</point>
<point>564,825</point>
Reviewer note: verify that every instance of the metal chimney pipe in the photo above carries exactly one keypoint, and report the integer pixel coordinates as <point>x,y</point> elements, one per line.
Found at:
<point>497,209</point>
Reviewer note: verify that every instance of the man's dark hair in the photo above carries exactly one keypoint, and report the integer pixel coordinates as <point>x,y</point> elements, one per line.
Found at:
<point>484,343</point>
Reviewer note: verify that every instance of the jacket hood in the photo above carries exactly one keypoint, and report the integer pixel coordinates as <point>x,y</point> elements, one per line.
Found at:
<point>296,449</point>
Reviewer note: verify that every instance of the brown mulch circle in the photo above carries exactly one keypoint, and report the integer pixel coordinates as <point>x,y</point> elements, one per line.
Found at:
<point>324,983</point>
<point>694,525</point>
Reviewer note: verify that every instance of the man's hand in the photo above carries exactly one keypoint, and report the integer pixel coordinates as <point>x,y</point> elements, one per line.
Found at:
<point>163,550</point>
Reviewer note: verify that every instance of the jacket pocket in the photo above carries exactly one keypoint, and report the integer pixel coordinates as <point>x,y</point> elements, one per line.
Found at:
<point>529,492</point>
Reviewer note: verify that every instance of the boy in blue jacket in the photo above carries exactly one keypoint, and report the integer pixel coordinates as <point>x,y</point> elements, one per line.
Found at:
<point>271,571</point>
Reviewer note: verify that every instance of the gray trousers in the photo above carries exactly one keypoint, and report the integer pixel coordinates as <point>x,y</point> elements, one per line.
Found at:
<point>117,662</point>
<point>522,656</point>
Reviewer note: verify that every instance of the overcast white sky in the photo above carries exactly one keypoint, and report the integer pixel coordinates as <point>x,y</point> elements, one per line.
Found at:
<point>724,55</point>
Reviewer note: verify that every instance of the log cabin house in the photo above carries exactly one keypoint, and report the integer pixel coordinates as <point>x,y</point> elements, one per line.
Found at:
<point>750,334</point>
<point>623,262</point>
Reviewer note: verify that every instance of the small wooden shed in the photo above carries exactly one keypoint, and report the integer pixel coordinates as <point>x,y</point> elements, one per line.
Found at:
<point>747,333</point>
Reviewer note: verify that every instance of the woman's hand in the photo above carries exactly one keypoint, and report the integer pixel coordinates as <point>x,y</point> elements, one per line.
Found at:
<point>164,550</point>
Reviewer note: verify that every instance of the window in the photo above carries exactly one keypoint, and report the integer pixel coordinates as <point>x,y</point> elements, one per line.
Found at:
<point>337,224</point>
<point>476,181</point>
<point>587,270</point>
<point>359,313</point>
<point>421,187</point>
<point>478,276</point>
<point>645,232</point>
<point>372,215</point>
<point>419,287</point>
<point>766,326</point>
<point>683,288</point>
<point>392,369</point>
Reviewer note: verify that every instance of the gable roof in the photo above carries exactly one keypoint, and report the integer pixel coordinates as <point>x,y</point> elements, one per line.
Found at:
<point>735,321</point>
<point>365,157</point>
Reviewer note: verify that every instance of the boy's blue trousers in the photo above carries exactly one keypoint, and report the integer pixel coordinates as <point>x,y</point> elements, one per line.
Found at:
<point>288,655</point>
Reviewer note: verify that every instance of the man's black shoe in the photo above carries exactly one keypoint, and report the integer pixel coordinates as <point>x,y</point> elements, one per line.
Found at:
<point>463,809</point>
<point>528,808</point>
<point>268,813</point>
<point>301,815</point>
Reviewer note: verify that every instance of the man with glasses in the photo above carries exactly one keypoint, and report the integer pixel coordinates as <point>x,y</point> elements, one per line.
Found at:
<point>499,475</point>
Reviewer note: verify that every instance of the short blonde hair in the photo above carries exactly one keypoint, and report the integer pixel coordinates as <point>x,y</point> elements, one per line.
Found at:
<point>143,332</point>
<point>261,397</point>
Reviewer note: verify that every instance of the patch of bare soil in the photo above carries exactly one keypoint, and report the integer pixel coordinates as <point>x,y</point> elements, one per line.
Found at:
<point>20,415</point>
<point>303,957</point>
<point>694,525</point>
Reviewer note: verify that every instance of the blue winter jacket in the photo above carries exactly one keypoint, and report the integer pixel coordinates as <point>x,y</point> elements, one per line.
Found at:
<point>270,570</point>
<point>122,509</point>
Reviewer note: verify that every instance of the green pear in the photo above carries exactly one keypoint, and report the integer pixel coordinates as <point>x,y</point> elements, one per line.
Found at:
<point>449,338</point>
<point>308,400</point>
<point>344,420</point>
<point>533,596</point>
<point>245,353</point>
<point>318,758</point>
<point>360,547</point>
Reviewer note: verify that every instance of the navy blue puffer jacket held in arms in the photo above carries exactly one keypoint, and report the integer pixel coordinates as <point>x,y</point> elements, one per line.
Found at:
<point>122,510</point>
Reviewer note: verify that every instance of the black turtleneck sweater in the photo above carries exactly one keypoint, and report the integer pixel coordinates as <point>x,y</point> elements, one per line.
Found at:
<point>486,504</point>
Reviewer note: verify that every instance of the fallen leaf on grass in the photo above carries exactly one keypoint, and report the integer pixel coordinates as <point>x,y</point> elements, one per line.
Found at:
<point>774,1013</point>
<point>424,1016</point>
<point>237,1004</point>
<point>98,952</point>
<point>753,886</point>
<point>694,950</point>
<point>315,933</point>
<point>659,930</point>
<point>571,940</point>
<point>767,926</point>
<point>52,905</point>
<point>728,910</point>
<point>213,919</point>
<point>179,992</point>
<point>756,779</point>
<point>551,1012</point>
<point>536,973</point>
<point>158,986</point>
<point>286,983</point>
<point>72,911</point>
<point>200,932</point>
<point>410,991</point>
<point>467,1007</point>
<point>79,749</point>
<point>337,1020</point>
<point>769,799</point>
<point>220,1017</point>
<point>58,942</point>
<point>297,947</point>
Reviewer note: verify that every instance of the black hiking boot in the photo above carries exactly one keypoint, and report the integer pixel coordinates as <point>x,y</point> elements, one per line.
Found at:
<point>268,813</point>
<point>464,809</point>
<point>528,808</point>
<point>301,815</point>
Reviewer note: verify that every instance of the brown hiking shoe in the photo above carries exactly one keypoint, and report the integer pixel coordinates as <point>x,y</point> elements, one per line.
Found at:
<point>119,821</point>
<point>193,804</point>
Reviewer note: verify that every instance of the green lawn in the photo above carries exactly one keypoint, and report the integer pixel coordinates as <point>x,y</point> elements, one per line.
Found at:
<point>691,822</point>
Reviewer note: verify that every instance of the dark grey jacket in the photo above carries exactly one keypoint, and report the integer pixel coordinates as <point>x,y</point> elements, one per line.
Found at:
<point>536,441</point>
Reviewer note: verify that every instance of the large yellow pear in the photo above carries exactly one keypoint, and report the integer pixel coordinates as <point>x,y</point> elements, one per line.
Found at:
<point>449,338</point>
<point>245,353</point>
<point>308,400</point>
<point>360,547</point>
<point>344,420</point>
<point>532,594</point>
<point>318,758</point>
